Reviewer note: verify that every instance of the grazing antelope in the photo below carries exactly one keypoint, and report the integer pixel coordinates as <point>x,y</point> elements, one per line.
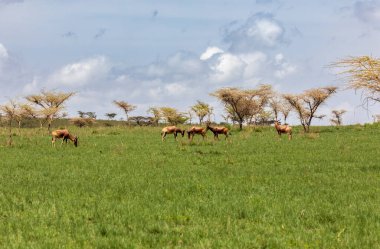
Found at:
<point>65,135</point>
<point>196,130</point>
<point>171,130</point>
<point>218,130</point>
<point>283,129</point>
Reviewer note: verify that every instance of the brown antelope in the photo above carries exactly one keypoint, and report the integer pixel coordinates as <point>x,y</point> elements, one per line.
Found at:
<point>171,130</point>
<point>218,130</point>
<point>283,129</point>
<point>196,130</point>
<point>65,135</point>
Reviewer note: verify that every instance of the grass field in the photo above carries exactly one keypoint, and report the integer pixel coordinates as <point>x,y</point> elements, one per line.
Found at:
<point>124,188</point>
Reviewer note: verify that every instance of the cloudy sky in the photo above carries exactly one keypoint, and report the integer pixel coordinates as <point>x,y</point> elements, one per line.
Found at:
<point>172,53</point>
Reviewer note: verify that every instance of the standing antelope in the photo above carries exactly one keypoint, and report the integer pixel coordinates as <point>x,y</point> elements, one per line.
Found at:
<point>65,135</point>
<point>196,130</point>
<point>171,130</point>
<point>217,130</point>
<point>283,129</point>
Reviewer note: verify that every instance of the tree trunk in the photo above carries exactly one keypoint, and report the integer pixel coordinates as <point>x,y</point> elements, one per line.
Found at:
<point>128,121</point>
<point>305,128</point>
<point>308,123</point>
<point>240,125</point>
<point>49,125</point>
<point>10,141</point>
<point>19,127</point>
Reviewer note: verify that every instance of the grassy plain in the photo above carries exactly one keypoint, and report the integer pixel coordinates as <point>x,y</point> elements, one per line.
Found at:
<point>124,188</point>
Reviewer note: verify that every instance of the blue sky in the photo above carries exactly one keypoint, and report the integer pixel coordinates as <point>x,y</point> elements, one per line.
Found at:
<point>171,53</point>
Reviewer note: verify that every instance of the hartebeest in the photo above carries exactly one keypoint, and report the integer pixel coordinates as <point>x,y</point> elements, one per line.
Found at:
<point>196,130</point>
<point>171,130</point>
<point>217,130</point>
<point>65,135</point>
<point>283,129</point>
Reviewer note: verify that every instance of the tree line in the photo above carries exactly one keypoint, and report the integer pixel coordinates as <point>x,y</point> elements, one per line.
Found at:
<point>261,105</point>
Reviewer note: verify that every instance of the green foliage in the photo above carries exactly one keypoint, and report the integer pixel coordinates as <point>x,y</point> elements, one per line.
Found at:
<point>173,116</point>
<point>124,188</point>
<point>202,109</point>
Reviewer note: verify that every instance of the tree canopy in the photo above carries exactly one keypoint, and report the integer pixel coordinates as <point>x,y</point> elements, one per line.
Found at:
<point>307,103</point>
<point>202,109</point>
<point>361,73</point>
<point>242,105</point>
<point>50,103</point>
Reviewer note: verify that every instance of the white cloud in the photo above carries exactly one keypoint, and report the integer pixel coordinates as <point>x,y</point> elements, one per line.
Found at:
<point>184,63</point>
<point>81,73</point>
<point>265,30</point>
<point>175,89</point>
<point>31,87</point>
<point>241,68</point>
<point>179,66</point>
<point>13,76</point>
<point>255,62</point>
<point>279,58</point>
<point>210,52</point>
<point>283,68</point>
<point>155,92</point>
<point>260,31</point>
<point>122,78</point>
<point>155,70</point>
<point>3,52</point>
<point>227,68</point>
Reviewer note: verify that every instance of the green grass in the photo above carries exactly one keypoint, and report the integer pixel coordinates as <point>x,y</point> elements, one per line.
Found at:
<point>124,188</point>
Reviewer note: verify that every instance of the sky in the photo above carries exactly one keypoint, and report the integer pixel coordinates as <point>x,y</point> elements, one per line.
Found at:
<point>173,53</point>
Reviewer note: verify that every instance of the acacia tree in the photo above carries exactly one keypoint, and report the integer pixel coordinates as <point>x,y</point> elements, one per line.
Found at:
<point>259,100</point>
<point>337,117</point>
<point>275,104</point>
<point>202,109</point>
<point>82,121</point>
<point>79,121</point>
<point>155,111</point>
<point>81,114</point>
<point>173,116</point>
<point>51,103</point>
<point>229,115</point>
<point>279,106</point>
<point>285,109</point>
<point>361,73</point>
<point>10,111</point>
<point>111,115</point>
<point>307,103</point>
<point>243,105</point>
<point>125,106</point>
<point>91,115</point>
<point>190,115</point>
<point>87,115</point>
<point>23,111</point>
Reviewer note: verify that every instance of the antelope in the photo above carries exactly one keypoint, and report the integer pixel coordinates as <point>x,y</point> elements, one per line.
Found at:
<point>217,130</point>
<point>196,130</point>
<point>65,135</point>
<point>171,130</point>
<point>283,129</point>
